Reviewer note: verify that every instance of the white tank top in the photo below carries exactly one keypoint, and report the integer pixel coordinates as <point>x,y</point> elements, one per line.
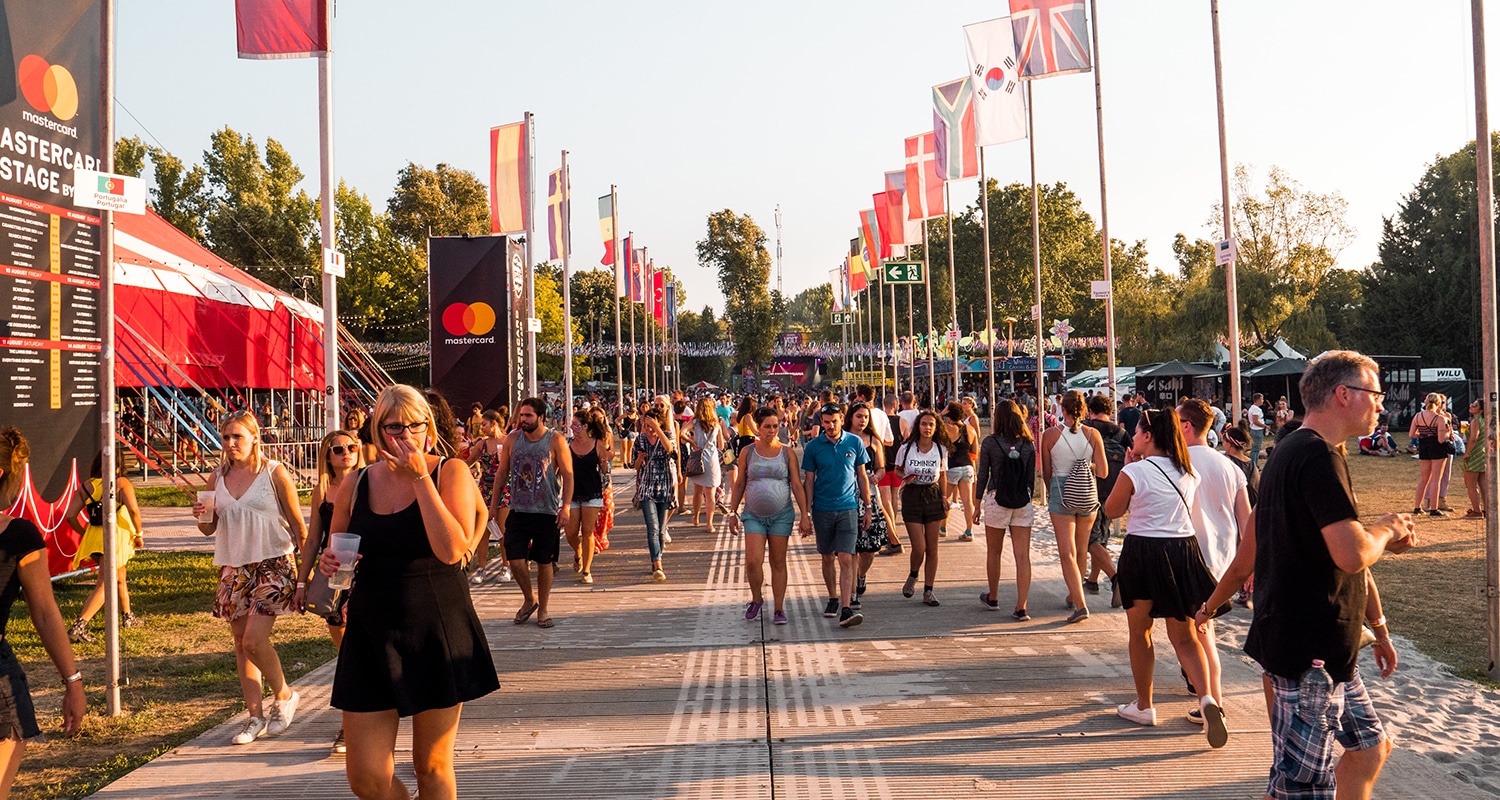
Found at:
<point>250,529</point>
<point>1071,446</point>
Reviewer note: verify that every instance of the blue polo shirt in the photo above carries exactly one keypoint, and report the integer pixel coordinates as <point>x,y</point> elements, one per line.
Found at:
<point>835,488</point>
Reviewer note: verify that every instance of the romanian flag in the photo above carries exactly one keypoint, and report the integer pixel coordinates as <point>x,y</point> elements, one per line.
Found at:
<point>510,177</point>
<point>280,28</point>
<point>557,215</point>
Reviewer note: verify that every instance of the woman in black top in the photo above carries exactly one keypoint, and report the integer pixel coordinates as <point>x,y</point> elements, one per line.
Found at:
<point>960,466</point>
<point>1007,469</point>
<point>870,540</point>
<point>591,453</point>
<point>23,565</point>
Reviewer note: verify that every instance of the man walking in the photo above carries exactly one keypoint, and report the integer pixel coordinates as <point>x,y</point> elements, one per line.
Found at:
<point>1311,560</point>
<point>833,464</point>
<point>1256,416</point>
<point>536,466</point>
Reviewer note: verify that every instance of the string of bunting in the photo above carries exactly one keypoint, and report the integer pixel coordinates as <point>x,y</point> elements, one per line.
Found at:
<point>902,349</point>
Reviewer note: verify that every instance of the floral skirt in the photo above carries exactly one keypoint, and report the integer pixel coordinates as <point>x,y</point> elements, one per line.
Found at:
<point>267,588</point>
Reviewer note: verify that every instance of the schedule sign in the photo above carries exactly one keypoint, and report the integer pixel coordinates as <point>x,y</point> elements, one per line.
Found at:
<point>50,126</point>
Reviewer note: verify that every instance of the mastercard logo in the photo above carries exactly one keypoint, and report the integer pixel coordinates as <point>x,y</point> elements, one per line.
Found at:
<point>48,87</point>
<point>473,319</point>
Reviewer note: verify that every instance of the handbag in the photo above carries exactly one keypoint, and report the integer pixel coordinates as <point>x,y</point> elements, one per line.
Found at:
<point>1080,494</point>
<point>319,597</point>
<point>693,466</point>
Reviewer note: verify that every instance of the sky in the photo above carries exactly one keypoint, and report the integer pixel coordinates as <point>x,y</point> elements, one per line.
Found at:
<point>690,107</point>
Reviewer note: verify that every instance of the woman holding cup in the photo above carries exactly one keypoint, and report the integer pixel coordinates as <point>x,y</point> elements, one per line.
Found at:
<point>254,511</point>
<point>413,646</point>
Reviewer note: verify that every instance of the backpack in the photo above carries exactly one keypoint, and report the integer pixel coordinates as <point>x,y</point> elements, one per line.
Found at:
<point>1115,448</point>
<point>1015,472</point>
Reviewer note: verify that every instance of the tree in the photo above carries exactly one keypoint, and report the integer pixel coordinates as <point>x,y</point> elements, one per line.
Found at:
<point>439,202</point>
<point>130,156</point>
<point>549,307</point>
<point>1422,296</point>
<point>255,218</point>
<point>179,195</point>
<point>702,328</point>
<point>736,247</point>
<point>383,296</point>
<point>809,311</point>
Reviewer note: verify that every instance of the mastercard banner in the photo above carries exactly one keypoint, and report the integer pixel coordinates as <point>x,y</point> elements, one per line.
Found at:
<point>476,286</point>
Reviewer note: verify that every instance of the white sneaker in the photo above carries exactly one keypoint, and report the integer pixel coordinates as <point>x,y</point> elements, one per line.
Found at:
<point>666,538</point>
<point>1133,713</point>
<point>281,715</point>
<point>505,574</point>
<point>255,727</point>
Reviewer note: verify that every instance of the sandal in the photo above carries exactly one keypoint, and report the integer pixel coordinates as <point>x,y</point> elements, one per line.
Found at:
<point>544,622</point>
<point>525,613</point>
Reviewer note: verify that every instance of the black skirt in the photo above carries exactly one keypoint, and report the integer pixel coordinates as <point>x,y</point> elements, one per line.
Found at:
<point>1168,572</point>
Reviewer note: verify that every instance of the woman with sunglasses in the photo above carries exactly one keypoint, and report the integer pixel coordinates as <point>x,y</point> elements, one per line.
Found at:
<point>1161,571</point>
<point>338,457</point>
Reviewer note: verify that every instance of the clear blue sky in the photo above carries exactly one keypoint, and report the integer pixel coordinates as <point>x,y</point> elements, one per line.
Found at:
<point>694,107</point>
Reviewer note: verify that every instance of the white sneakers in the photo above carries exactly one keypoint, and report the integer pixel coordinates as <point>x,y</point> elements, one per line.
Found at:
<point>255,727</point>
<point>281,714</point>
<point>1135,714</point>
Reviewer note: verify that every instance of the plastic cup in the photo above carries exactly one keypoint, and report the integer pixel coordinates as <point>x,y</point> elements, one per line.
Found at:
<point>207,499</point>
<point>345,547</point>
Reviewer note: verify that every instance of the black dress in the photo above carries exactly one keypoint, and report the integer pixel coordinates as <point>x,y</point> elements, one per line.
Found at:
<point>413,642</point>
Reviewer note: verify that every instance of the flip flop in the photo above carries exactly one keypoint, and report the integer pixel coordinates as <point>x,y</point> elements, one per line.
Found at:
<point>525,613</point>
<point>544,622</point>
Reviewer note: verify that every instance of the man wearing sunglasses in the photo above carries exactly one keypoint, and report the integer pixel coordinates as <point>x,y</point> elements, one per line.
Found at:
<point>833,465</point>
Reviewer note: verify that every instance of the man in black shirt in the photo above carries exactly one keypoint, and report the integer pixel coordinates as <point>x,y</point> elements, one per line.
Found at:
<point>1311,557</point>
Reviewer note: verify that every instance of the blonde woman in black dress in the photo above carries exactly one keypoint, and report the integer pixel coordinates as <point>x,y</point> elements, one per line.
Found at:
<point>413,646</point>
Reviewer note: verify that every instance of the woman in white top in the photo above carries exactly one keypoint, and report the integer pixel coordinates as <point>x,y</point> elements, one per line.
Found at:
<point>1063,446</point>
<point>922,465</point>
<point>1161,571</point>
<point>259,525</point>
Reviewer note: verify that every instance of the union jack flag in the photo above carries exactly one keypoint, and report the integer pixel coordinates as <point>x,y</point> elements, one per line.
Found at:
<point>1052,37</point>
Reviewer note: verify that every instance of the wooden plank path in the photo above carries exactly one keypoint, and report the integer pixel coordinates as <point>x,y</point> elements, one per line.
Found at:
<point>648,690</point>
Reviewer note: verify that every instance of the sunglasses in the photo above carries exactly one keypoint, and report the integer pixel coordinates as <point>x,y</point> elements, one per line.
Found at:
<point>342,449</point>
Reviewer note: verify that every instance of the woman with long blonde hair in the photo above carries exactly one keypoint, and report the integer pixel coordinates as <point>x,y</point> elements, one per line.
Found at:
<point>705,434</point>
<point>1431,430</point>
<point>258,522</point>
<point>1063,446</point>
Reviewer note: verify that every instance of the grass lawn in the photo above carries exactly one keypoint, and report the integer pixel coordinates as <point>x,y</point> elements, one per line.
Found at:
<point>180,667</point>
<point>173,497</point>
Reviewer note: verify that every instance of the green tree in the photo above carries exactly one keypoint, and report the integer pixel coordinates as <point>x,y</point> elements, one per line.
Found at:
<point>257,218</point>
<point>809,311</point>
<point>383,296</point>
<point>736,247</point>
<point>702,328</point>
<point>130,156</point>
<point>549,306</point>
<point>439,202</point>
<point>179,194</point>
<point>1422,296</point>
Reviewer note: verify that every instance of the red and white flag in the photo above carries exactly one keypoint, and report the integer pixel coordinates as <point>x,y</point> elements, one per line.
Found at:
<point>510,178</point>
<point>281,28</point>
<point>1052,37</point>
<point>999,103</point>
<point>659,298</point>
<point>910,231</point>
<point>924,187</point>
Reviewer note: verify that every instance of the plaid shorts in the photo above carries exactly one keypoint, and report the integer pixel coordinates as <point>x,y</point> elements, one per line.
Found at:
<point>1302,759</point>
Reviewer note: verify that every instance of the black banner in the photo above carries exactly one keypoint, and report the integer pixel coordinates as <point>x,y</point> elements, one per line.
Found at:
<point>478,320</point>
<point>51,123</point>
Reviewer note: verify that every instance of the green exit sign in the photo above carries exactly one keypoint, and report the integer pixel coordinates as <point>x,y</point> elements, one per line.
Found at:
<point>903,272</point>
<point>843,317</point>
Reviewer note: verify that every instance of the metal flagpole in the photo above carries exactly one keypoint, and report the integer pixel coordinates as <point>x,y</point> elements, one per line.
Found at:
<point>895,361</point>
<point>635,386</point>
<point>1109,302</point>
<point>1485,175</point>
<point>567,281</point>
<point>530,200</point>
<point>326,231</point>
<point>646,360</point>
<point>1036,263</point>
<point>614,250</point>
<point>879,307</point>
<point>107,381</point>
<point>1231,281</point>
<point>911,340</point>
<point>952,293</point>
<point>989,297</point>
<point>931,353</point>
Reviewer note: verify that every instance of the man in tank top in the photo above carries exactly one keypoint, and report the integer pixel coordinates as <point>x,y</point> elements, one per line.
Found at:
<point>536,467</point>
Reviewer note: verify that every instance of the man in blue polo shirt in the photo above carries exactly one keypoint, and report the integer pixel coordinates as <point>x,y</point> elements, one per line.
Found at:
<point>833,465</point>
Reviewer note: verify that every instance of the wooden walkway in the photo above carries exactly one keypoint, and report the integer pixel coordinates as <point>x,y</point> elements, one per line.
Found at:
<point>648,690</point>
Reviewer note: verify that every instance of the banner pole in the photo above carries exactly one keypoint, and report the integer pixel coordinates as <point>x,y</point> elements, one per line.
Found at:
<point>635,384</point>
<point>1109,302</point>
<point>931,351</point>
<point>108,566</point>
<point>1231,278</point>
<point>911,341</point>
<point>530,200</point>
<point>989,297</point>
<point>1484,183</point>
<point>567,284</point>
<point>952,293</point>
<point>327,232</point>
<point>647,362</point>
<point>879,307</point>
<point>1036,263</point>
<point>895,360</point>
<point>614,250</point>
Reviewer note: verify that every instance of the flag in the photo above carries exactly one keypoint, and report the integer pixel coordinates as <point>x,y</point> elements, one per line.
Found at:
<point>837,283</point>
<point>510,176</point>
<point>999,105</point>
<point>108,185</point>
<point>557,215</point>
<point>858,269</point>
<point>658,297</point>
<point>1051,36</point>
<point>904,231</point>
<point>672,305</point>
<point>924,189</point>
<point>281,28</point>
<point>607,231</point>
<point>627,269</point>
<point>953,130</point>
<point>637,262</point>
<point>882,223</point>
<point>869,229</point>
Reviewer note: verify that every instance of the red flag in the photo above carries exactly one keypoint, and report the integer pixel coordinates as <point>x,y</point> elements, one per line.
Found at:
<point>924,187</point>
<point>895,198</point>
<point>659,297</point>
<point>281,28</point>
<point>882,222</point>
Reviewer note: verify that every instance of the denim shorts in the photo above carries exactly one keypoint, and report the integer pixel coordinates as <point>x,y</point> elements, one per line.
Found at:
<point>960,474</point>
<point>1301,753</point>
<point>836,531</point>
<point>17,714</point>
<point>1055,499</point>
<point>779,524</point>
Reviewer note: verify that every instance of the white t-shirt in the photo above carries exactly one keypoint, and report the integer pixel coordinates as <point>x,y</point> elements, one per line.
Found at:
<point>1257,417</point>
<point>882,425</point>
<point>924,467</point>
<point>1219,482</point>
<point>908,417</point>
<point>1155,507</point>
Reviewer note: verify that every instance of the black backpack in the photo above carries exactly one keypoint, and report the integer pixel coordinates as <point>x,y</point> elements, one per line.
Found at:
<point>1016,472</point>
<point>1116,445</point>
